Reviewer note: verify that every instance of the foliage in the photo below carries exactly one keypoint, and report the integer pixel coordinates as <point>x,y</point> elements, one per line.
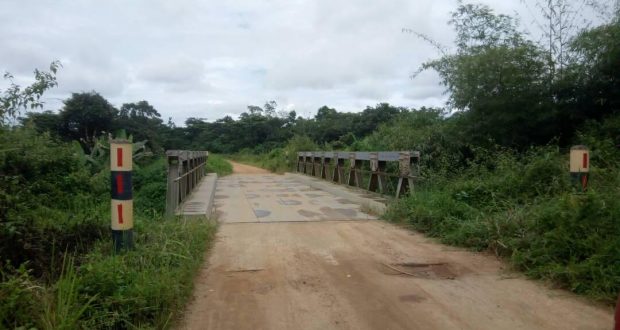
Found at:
<point>14,98</point>
<point>521,207</point>
<point>149,184</point>
<point>62,306</point>
<point>19,297</point>
<point>146,287</point>
<point>498,78</point>
<point>85,116</point>
<point>49,201</point>
<point>278,160</point>
<point>142,121</point>
<point>54,204</point>
<point>217,164</point>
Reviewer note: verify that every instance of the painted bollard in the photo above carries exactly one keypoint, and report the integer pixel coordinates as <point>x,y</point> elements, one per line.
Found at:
<point>122,198</point>
<point>580,167</point>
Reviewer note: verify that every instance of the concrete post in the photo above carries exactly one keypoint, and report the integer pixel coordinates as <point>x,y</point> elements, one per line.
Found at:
<point>580,167</point>
<point>355,166</point>
<point>172,191</point>
<point>122,196</point>
<point>405,181</point>
<point>377,180</point>
<point>338,175</point>
<point>324,166</point>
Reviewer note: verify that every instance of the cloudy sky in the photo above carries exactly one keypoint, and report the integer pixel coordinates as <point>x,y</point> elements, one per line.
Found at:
<point>207,59</point>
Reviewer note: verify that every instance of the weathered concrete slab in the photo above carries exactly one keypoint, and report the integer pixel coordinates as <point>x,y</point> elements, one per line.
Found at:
<point>200,202</point>
<point>374,203</point>
<point>277,198</point>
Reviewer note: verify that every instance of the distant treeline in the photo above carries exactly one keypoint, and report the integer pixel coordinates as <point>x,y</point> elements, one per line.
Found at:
<point>85,116</point>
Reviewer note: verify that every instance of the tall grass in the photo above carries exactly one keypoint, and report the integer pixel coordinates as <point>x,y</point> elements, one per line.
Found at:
<point>523,208</point>
<point>217,164</point>
<point>63,307</point>
<point>54,206</point>
<point>146,287</point>
<point>278,160</point>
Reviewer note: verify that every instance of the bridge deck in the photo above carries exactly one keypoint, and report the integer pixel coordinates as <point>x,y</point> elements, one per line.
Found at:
<point>276,198</point>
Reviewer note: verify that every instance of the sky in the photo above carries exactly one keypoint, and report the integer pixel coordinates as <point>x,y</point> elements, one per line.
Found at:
<point>209,59</point>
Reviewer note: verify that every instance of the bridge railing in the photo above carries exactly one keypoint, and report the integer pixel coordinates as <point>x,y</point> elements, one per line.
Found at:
<point>185,170</point>
<point>367,170</point>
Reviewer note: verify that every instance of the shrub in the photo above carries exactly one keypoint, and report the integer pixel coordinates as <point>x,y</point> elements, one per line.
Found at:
<point>522,207</point>
<point>149,285</point>
<point>217,164</point>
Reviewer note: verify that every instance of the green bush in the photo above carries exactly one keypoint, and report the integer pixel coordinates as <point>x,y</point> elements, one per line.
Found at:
<point>60,272</point>
<point>19,297</point>
<point>149,183</point>
<point>278,160</point>
<point>146,287</point>
<point>217,164</point>
<point>49,201</point>
<point>523,207</point>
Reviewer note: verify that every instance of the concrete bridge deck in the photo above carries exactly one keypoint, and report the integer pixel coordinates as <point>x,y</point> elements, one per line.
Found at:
<point>277,198</point>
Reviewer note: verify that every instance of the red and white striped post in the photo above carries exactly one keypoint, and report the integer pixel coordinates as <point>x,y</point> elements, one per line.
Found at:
<point>580,166</point>
<point>122,196</point>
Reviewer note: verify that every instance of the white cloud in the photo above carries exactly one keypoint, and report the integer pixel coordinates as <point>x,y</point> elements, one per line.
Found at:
<point>209,59</point>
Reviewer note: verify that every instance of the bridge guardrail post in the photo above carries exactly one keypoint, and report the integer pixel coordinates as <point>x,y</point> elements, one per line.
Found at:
<point>317,162</point>
<point>306,162</point>
<point>354,171</point>
<point>300,162</point>
<point>374,183</point>
<point>325,161</point>
<point>172,191</point>
<point>405,181</point>
<point>338,175</point>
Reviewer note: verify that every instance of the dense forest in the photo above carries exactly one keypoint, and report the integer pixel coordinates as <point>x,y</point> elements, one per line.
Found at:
<point>494,174</point>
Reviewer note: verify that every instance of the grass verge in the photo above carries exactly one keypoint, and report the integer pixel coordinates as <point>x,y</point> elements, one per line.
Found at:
<point>147,287</point>
<point>217,164</point>
<point>525,211</point>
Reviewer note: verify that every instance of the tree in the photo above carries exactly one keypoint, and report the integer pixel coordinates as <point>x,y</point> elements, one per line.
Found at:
<point>139,110</point>
<point>498,78</point>
<point>85,116</point>
<point>270,108</point>
<point>46,121</point>
<point>591,88</point>
<point>372,117</point>
<point>14,98</point>
<point>142,121</point>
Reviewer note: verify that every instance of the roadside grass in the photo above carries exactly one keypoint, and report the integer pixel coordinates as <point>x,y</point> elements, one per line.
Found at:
<point>278,160</point>
<point>149,286</point>
<point>58,270</point>
<point>218,164</point>
<point>525,210</point>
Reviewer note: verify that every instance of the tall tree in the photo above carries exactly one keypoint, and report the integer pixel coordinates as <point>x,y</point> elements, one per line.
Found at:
<point>142,121</point>
<point>85,116</point>
<point>498,78</point>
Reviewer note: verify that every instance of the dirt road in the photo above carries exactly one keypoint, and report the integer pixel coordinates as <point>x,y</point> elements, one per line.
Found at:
<point>239,168</point>
<point>366,274</point>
